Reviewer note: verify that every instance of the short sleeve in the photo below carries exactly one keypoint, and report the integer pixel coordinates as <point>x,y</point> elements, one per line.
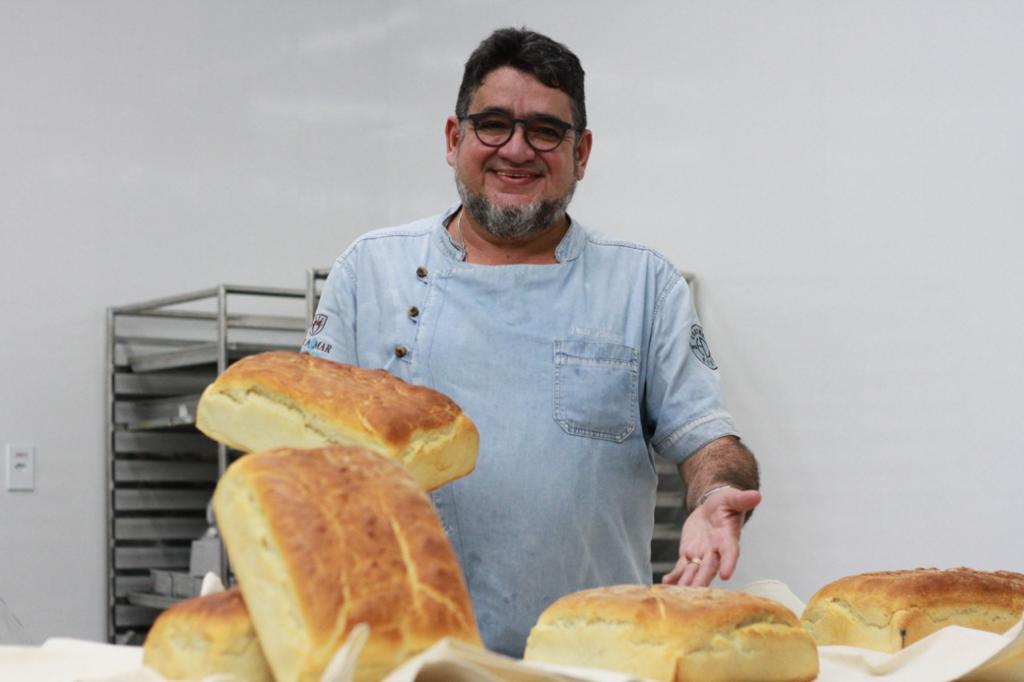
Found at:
<point>683,400</point>
<point>332,334</point>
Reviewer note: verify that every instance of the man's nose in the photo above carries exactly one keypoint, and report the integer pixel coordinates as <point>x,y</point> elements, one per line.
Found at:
<point>517,148</point>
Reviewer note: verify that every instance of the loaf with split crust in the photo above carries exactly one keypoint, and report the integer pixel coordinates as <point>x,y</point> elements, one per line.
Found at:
<point>670,633</point>
<point>889,610</point>
<point>324,539</point>
<point>282,399</point>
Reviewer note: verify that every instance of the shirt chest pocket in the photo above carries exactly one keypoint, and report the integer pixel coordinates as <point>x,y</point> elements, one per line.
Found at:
<point>596,389</point>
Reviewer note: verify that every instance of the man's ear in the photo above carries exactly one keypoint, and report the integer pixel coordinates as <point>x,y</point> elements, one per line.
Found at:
<point>582,152</point>
<point>452,136</point>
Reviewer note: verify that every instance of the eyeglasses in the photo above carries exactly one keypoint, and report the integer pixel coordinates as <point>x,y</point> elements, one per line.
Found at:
<point>496,128</point>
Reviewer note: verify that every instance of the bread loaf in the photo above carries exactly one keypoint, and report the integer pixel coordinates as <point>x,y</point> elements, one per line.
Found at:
<point>321,540</point>
<point>671,634</point>
<point>206,636</point>
<point>888,611</point>
<point>281,399</point>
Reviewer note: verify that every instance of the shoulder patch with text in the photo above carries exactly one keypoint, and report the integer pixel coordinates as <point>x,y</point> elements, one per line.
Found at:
<point>318,324</point>
<point>699,346</point>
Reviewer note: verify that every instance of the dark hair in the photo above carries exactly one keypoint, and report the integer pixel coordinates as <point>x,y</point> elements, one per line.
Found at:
<point>552,63</point>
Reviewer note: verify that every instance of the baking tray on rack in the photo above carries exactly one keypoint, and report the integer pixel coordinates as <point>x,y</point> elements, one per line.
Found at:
<point>197,354</point>
<point>159,413</point>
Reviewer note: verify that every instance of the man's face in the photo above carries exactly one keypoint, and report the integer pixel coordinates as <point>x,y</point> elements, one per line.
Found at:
<point>515,176</point>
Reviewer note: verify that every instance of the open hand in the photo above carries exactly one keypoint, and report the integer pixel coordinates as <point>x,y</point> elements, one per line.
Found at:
<point>710,542</point>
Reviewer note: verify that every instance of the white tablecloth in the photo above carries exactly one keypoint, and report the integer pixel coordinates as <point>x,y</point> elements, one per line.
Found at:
<point>951,653</point>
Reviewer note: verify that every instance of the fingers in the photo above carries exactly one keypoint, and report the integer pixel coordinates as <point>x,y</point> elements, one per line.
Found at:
<point>734,500</point>
<point>673,576</point>
<point>711,533</point>
<point>689,573</point>
<point>747,500</point>
<point>730,555</point>
<point>707,570</point>
<point>693,572</point>
<point>682,574</point>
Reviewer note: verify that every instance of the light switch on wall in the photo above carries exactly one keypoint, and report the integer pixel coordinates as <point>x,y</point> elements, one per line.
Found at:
<point>21,466</point>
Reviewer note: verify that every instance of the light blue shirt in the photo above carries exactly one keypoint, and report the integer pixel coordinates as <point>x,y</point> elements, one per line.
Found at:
<point>571,372</point>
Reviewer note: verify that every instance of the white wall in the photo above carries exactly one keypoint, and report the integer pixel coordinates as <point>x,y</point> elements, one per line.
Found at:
<point>844,178</point>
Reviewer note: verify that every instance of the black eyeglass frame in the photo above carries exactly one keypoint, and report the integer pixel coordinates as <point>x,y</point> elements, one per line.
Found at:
<point>548,120</point>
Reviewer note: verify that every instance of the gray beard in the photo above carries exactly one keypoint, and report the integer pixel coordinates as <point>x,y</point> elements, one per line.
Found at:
<point>513,222</point>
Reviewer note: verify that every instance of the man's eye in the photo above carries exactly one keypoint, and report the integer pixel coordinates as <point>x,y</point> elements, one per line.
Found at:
<point>492,124</point>
<point>546,132</point>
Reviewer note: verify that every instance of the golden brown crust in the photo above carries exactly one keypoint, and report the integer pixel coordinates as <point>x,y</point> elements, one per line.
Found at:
<point>672,633</point>
<point>204,636</point>
<point>390,408</point>
<point>333,537</point>
<point>889,610</point>
<point>285,399</point>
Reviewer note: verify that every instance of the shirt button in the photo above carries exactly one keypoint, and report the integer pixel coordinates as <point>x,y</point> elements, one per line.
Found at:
<point>401,351</point>
<point>414,311</point>
<point>421,272</point>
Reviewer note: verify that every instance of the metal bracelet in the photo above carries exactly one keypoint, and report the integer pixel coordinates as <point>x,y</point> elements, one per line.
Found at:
<point>708,493</point>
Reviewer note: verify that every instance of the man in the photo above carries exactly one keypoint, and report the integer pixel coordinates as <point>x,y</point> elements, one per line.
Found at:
<point>574,354</point>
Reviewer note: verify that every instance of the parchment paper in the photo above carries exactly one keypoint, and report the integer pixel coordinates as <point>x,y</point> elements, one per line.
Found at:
<point>951,653</point>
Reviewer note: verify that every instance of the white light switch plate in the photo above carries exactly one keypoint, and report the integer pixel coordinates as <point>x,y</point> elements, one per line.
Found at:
<point>21,466</point>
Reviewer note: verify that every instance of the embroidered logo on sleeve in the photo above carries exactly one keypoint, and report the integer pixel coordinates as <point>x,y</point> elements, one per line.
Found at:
<point>314,345</point>
<point>699,346</point>
<point>319,322</point>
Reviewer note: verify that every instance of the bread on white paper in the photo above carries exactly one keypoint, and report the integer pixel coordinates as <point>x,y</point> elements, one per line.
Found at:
<point>322,540</point>
<point>206,636</point>
<point>887,611</point>
<point>671,634</point>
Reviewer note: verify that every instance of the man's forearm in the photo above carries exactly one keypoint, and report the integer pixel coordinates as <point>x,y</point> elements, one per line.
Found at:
<point>724,461</point>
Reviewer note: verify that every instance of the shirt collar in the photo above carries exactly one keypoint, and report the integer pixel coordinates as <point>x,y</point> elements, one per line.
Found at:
<point>568,249</point>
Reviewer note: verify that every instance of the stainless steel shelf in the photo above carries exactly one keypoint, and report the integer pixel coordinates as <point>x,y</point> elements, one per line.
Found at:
<point>670,498</point>
<point>160,413</point>
<point>153,601</point>
<point>126,584</point>
<point>199,354</point>
<point>127,384</point>
<point>666,532</point>
<point>130,617</point>
<point>142,442</point>
<point>151,557</point>
<point>315,280</point>
<point>261,322</point>
<point>165,470</point>
<point>660,568</point>
<point>151,500</point>
<point>159,528</point>
<point>669,515</point>
<point>161,472</point>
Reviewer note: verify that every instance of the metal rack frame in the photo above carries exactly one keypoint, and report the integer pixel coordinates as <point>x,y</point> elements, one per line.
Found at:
<point>161,471</point>
<point>315,279</point>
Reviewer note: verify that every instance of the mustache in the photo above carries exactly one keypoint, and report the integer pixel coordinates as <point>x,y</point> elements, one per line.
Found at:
<point>531,168</point>
<point>513,222</point>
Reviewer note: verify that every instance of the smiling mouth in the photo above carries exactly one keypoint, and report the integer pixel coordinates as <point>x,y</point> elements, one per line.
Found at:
<point>516,175</point>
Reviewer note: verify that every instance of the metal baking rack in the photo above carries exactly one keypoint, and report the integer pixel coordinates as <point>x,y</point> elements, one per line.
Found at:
<point>161,471</point>
<point>668,519</point>
<point>315,280</point>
